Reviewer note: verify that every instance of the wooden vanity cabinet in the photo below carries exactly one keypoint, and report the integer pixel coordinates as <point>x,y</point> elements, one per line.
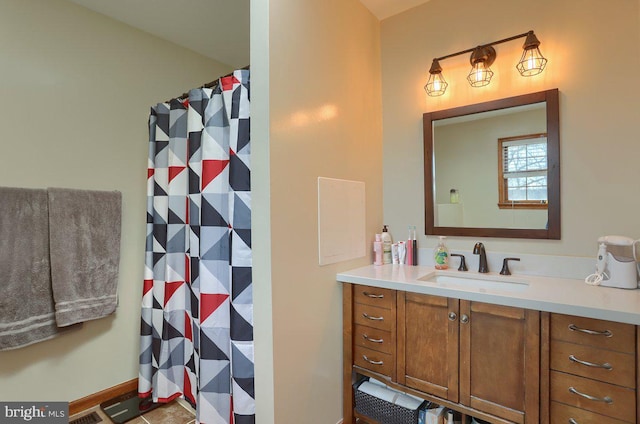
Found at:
<point>505,364</point>
<point>592,371</point>
<point>482,356</point>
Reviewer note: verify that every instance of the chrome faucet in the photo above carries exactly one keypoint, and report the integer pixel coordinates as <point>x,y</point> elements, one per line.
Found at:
<point>478,249</point>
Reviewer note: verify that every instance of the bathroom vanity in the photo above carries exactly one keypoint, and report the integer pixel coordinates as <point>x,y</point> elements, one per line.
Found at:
<point>506,349</point>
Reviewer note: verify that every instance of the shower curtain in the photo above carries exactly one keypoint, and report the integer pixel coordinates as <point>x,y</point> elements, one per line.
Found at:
<point>197,306</point>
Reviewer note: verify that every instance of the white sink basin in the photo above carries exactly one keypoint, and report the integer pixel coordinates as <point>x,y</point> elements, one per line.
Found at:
<point>480,282</point>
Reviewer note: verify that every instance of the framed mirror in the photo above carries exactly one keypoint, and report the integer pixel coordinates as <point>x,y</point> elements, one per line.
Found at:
<point>493,169</point>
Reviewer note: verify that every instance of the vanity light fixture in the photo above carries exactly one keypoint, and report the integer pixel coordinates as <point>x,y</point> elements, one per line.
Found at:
<point>436,85</point>
<point>482,57</point>
<point>532,62</point>
<point>481,60</point>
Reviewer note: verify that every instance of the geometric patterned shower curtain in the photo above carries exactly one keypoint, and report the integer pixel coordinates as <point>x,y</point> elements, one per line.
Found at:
<point>197,305</point>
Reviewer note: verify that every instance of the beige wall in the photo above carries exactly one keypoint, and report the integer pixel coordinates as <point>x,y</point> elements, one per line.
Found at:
<point>77,88</point>
<point>593,60</point>
<point>325,120</point>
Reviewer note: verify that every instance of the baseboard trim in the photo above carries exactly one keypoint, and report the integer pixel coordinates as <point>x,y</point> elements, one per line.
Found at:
<point>103,395</point>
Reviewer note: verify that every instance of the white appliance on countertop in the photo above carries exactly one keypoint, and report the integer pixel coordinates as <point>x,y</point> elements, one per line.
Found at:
<point>617,264</point>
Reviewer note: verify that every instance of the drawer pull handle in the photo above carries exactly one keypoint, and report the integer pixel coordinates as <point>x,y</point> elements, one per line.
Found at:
<point>372,318</point>
<point>373,296</point>
<point>606,333</point>
<point>372,362</point>
<point>572,421</point>
<point>605,399</point>
<point>364,336</point>
<point>607,366</point>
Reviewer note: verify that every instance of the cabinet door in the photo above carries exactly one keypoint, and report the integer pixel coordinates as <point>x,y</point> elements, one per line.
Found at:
<point>428,344</point>
<point>500,360</point>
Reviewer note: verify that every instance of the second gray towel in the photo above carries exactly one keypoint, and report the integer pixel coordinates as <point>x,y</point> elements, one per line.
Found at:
<point>84,239</point>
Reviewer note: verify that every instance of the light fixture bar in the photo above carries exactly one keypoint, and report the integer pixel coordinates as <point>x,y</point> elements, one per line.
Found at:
<point>531,63</point>
<point>504,40</point>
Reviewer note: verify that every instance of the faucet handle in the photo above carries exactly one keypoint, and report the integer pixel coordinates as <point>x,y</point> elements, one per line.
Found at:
<point>505,265</point>
<point>463,263</point>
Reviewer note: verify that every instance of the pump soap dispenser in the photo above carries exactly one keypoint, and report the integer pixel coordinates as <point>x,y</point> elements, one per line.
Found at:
<point>441,254</point>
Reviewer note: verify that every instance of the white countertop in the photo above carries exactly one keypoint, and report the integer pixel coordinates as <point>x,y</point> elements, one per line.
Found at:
<point>561,295</point>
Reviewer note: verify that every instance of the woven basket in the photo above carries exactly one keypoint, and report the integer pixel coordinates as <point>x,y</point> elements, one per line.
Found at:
<point>383,411</point>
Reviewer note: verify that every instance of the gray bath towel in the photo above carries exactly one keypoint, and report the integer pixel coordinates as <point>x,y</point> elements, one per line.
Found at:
<point>84,238</point>
<point>26,301</point>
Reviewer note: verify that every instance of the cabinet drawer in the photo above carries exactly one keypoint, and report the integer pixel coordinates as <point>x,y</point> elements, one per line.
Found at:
<point>379,362</point>
<point>373,338</point>
<point>373,316</point>
<point>622,405</point>
<point>599,364</point>
<point>593,332</point>
<point>564,414</point>
<point>382,298</point>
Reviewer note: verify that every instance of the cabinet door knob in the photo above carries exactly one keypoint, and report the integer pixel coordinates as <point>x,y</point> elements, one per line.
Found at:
<point>464,319</point>
<point>606,365</point>
<point>452,316</point>
<point>606,333</point>
<point>372,362</point>
<point>605,399</point>
<point>367,316</point>
<point>572,421</point>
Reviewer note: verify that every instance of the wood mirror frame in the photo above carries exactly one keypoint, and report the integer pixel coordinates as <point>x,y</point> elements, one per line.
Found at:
<point>552,232</point>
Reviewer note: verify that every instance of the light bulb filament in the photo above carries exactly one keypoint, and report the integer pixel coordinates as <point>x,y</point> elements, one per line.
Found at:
<point>530,62</point>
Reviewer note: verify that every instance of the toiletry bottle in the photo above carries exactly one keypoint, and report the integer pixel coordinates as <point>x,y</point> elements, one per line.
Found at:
<point>377,250</point>
<point>454,197</point>
<point>441,255</point>
<point>402,252</point>
<point>409,249</point>
<point>450,417</point>
<point>386,245</point>
<point>415,247</point>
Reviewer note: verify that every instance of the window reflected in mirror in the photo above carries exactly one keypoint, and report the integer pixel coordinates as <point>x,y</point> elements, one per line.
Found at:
<point>522,172</point>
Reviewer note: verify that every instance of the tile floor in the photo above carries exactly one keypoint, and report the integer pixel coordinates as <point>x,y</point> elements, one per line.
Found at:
<point>176,412</point>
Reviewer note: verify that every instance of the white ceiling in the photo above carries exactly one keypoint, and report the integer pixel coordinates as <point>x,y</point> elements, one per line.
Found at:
<point>385,8</point>
<point>218,29</point>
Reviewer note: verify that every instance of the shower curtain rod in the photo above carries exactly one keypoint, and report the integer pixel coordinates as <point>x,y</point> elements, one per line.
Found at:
<point>212,84</point>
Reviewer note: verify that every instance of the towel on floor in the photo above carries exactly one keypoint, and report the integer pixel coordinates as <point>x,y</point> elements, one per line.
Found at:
<point>84,240</point>
<point>26,301</point>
